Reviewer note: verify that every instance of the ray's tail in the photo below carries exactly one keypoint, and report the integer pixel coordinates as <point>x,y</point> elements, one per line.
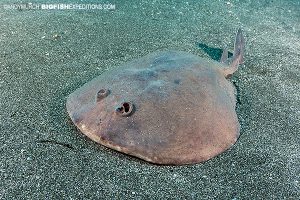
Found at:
<point>238,55</point>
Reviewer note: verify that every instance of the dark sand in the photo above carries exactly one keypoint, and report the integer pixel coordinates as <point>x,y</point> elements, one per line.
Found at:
<point>46,55</point>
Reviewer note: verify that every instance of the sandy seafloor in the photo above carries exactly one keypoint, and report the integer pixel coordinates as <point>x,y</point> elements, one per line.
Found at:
<point>46,54</point>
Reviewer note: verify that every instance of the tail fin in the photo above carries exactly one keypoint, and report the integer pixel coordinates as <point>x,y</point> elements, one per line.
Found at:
<point>238,55</point>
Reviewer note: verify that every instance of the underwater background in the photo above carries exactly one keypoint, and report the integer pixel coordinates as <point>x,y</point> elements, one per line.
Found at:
<point>47,52</point>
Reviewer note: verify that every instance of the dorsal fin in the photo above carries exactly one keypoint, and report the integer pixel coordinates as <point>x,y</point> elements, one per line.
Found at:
<point>238,55</point>
<point>224,56</point>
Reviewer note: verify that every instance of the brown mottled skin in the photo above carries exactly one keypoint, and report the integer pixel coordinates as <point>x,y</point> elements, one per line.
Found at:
<point>183,107</point>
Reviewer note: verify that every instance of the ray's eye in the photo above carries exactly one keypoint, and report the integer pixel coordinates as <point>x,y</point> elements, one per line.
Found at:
<point>101,94</point>
<point>125,109</point>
